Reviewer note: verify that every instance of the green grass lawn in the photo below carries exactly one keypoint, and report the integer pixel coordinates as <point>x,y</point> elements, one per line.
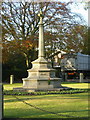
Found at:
<point>11,86</point>
<point>75,105</point>
<point>67,84</point>
<point>77,85</point>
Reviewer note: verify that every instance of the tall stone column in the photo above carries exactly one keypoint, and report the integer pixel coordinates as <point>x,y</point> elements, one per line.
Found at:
<point>41,38</point>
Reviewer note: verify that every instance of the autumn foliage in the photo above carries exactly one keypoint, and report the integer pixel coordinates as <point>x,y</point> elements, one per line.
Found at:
<point>20,29</point>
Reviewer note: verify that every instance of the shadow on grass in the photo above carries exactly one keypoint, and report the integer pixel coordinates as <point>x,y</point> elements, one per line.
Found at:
<point>82,118</point>
<point>70,83</point>
<point>15,100</point>
<point>71,96</point>
<point>34,112</point>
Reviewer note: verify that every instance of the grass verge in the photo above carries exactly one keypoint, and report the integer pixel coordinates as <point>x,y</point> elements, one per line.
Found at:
<point>73,105</point>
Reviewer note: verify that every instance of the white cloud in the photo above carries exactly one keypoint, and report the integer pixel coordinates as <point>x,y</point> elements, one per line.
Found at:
<point>77,0</point>
<point>31,1</point>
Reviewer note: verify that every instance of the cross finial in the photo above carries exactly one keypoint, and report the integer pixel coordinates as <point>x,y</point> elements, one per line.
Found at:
<point>41,17</point>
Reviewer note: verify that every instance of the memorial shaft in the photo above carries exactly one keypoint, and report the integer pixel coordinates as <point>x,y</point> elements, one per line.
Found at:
<point>41,39</point>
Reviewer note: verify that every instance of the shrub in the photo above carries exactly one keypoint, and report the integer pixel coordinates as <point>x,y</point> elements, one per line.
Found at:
<point>11,92</point>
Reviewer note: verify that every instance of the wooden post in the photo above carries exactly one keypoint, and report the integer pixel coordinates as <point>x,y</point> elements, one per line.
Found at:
<point>65,76</point>
<point>81,77</point>
<point>11,79</point>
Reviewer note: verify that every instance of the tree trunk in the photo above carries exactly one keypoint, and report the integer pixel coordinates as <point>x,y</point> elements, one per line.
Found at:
<point>27,60</point>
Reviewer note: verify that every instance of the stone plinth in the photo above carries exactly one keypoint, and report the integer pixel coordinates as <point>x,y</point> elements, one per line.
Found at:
<point>40,75</point>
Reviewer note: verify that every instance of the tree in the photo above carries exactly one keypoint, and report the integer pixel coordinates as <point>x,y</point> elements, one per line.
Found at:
<point>20,25</point>
<point>25,48</point>
<point>75,39</point>
<point>86,46</point>
<point>72,40</point>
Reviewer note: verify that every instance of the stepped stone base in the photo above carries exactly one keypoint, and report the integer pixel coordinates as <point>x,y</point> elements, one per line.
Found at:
<point>21,89</point>
<point>41,83</point>
<point>41,77</point>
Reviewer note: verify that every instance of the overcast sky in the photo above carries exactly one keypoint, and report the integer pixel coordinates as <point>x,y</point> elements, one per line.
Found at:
<point>79,8</point>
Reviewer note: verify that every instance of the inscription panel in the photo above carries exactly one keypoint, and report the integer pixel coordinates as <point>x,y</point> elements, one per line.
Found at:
<point>32,74</point>
<point>43,85</point>
<point>44,74</point>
